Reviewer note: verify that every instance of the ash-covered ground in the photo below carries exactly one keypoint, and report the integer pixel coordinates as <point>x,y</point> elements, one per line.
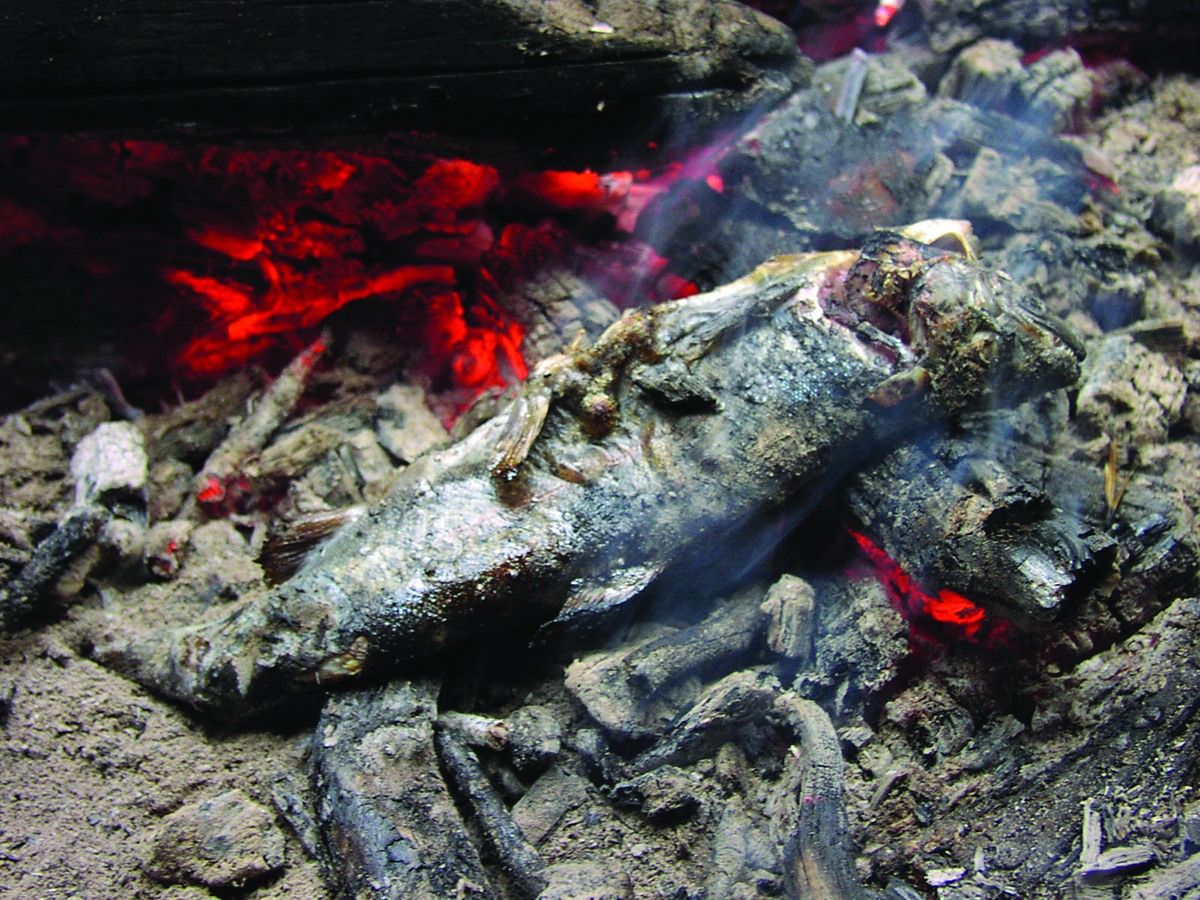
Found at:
<point>972,770</point>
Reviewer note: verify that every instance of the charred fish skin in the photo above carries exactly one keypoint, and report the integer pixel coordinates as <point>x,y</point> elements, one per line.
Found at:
<point>712,409</point>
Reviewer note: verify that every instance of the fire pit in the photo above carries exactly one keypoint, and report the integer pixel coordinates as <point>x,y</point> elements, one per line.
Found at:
<point>938,650</point>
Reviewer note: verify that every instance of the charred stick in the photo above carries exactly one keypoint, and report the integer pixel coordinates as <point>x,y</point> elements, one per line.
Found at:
<point>722,710</point>
<point>109,469</point>
<point>251,434</point>
<point>195,428</point>
<point>617,686</point>
<point>78,531</point>
<point>812,817</point>
<point>389,827</point>
<point>1164,27</point>
<point>520,861</point>
<point>852,87</point>
<point>475,730</point>
<point>105,382</point>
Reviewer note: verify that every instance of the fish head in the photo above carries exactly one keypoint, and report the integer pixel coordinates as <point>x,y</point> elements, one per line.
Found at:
<point>976,337</point>
<point>984,339</point>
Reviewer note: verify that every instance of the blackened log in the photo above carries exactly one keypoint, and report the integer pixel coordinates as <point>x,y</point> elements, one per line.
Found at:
<point>264,64</point>
<point>954,517</point>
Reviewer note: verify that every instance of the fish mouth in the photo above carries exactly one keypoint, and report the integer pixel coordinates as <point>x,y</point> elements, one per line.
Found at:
<point>1052,324</point>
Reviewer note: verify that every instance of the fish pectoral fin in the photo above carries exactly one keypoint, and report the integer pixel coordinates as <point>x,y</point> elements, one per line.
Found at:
<point>703,320</point>
<point>594,599</point>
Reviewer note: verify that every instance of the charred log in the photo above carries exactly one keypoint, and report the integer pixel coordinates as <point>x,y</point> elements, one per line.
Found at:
<point>483,67</point>
<point>956,518</point>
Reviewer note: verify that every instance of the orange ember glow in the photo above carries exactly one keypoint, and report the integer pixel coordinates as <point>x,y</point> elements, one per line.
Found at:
<point>240,250</point>
<point>295,230</point>
<point>946,607</point>
<point>886,10</point>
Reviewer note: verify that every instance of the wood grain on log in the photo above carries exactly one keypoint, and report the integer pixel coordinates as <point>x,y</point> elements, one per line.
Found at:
<point>266,64</point>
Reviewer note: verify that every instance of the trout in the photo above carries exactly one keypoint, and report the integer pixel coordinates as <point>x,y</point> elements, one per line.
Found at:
<point>682,422</point>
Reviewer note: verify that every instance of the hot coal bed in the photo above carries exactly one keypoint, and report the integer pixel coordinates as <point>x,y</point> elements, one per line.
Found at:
<point>266,273</point>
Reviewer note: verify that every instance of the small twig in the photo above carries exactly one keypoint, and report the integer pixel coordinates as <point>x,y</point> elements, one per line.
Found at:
<point>852,87</point>
<point>74,534</point>
<point>521,862</point>
<point>251,434</point>
<point>105,382</point>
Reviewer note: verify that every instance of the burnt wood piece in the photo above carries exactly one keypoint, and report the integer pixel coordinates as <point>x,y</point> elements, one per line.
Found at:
<point>809,818</point>
<point>518,858</point>
<point>954,517</point>
<point>618,687</point>
<point>814,172</point>
<point>720,712</point>
<point>1155,29</point>
<point>389,826</point>
<point>1123,728</point>
<point>250,435</point>
<point>805,178</point>
<point>75,534</point>
<point>1157,557</point>
<point>264,65</point>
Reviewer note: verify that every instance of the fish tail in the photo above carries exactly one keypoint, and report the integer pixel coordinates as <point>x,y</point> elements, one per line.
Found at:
<point>267,648</point>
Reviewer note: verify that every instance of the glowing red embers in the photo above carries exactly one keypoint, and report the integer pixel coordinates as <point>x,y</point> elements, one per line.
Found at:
<point>294,229</point>
<point>947,607</point>
<point>301,234</point>
<point>885,10</point>
<point>234,250</point>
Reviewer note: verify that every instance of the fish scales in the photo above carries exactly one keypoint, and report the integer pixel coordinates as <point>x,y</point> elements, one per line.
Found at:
<point>681,423</point>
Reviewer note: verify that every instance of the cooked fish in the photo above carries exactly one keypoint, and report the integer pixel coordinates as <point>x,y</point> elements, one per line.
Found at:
<point>680,423</point>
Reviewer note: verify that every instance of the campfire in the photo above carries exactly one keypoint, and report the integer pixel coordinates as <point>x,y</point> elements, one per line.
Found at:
<point>689,452</point>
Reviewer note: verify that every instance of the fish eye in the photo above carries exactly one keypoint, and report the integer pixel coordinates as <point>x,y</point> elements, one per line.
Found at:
<point>985,346</point>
